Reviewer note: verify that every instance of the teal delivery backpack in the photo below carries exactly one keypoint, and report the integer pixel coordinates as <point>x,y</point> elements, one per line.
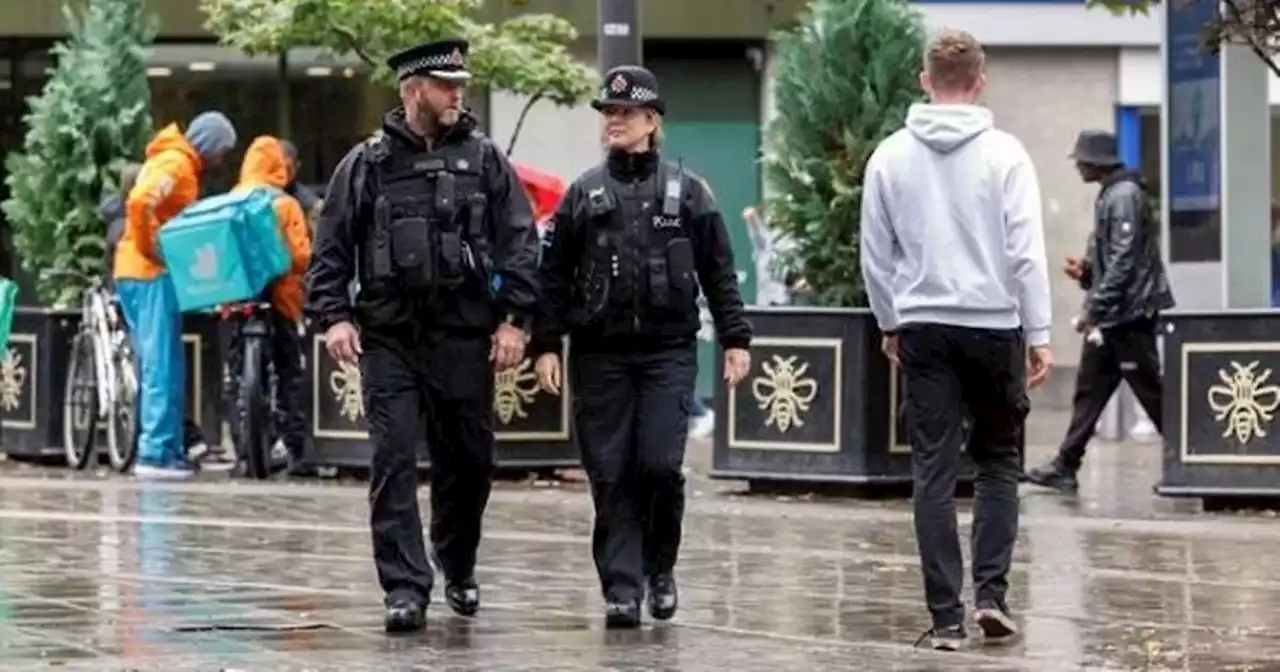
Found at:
<point>224,249</point>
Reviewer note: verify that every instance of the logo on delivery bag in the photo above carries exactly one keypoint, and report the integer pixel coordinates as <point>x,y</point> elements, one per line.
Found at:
<point>205,266</point>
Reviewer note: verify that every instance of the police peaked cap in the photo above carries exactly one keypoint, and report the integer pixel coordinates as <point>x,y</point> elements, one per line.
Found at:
<point>446,59</point>
<point>630,86</point>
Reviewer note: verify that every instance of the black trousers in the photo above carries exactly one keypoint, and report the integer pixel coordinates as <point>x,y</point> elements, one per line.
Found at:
<point>946,371</point>
<point>631,413</point>
<point>289,421</point>
<point>446,382</point>
<point>1128,352</point>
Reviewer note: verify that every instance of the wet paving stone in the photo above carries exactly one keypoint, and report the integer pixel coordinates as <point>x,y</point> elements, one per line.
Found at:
<point>111,574</point>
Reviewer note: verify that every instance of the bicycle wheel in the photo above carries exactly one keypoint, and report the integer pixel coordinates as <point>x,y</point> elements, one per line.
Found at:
<point>80,405</point>
<point>122,421</point>
<point>252,433</point>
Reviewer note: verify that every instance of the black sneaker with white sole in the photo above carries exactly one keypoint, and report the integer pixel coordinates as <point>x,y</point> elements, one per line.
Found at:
<point>950,638</point>
<point>996,624</point>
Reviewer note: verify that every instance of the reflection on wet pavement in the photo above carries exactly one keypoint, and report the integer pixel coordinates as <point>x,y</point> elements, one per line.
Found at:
<point>110,574</point>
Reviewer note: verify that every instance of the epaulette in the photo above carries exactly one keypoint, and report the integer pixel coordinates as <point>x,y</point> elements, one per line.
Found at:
<point>380,145</point>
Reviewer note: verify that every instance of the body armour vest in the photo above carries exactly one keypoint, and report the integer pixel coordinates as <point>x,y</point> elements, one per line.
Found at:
<point>637,256</point>
<point>429,217</point>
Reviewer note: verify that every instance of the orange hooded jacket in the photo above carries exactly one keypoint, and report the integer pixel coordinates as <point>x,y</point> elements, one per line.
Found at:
<point>265,165</point>
<point>169,181</point>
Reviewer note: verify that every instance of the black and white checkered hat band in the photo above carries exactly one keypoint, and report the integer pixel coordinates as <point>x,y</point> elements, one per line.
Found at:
<point>637,93</point>
<point>435,62</point>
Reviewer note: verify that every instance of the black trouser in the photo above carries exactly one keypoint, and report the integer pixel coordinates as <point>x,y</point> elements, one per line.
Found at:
<point>1128,352</point>
<point>631,413</point>
<point>289,421</point>
<point>445,381</point>
<point>946,371</point>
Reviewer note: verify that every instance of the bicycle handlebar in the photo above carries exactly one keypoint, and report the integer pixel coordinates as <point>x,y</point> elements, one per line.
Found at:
<point>59,273</point>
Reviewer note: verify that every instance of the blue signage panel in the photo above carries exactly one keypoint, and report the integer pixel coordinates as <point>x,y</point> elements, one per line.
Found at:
<point>1194,108</point>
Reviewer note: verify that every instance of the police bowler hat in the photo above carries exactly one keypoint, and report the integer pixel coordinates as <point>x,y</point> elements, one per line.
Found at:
<point>629,86</point>
<point>445,59</point>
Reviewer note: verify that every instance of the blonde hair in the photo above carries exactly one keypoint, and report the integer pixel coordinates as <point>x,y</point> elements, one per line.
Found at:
<point>954,60</point>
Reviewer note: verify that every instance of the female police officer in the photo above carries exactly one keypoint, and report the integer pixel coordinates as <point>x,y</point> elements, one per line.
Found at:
<point>631,243</point>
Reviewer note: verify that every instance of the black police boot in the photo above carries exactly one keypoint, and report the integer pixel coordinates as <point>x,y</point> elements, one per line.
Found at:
<point>663,599</point>
<point>463,597</point>
<point>406,615</point>
<point>622,615</point>
<point>1056,476</point>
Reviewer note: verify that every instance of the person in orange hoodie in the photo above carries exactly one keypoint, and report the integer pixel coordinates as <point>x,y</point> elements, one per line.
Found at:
<point>267,165</point>
<point>168,183</point>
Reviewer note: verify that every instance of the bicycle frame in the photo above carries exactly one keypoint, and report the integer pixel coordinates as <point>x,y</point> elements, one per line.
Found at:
<point>101,319</point>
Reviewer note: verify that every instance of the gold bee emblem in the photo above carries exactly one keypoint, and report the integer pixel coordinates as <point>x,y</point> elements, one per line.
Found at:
<point>1243,402</point>
<point>345,386</point>
<point>514,390</point>
<point>784,392</point>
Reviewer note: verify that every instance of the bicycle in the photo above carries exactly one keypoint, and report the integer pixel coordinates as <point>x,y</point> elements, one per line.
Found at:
<point>254,384</point>
<point>102,380</point>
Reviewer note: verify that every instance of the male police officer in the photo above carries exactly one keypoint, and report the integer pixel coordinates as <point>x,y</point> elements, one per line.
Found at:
<point>441,232</point>
<point>632,241</point>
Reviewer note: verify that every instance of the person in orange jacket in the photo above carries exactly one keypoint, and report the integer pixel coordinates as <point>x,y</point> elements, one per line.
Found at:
<point>267,164</point>
<point>168,183</point>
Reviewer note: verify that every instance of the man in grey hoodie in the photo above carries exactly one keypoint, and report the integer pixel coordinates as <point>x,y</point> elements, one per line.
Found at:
<point>954,264</point>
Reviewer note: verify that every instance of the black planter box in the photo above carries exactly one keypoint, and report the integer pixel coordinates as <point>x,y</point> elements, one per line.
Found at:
<point>1221,402</point>
<point>33,374</point>
<point>820,404</point>
<point>33,377</point>
<point>533,429</point>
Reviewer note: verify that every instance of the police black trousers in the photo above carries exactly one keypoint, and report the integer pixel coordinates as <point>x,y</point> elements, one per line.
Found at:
<point>437,389</point>
<point>947,370</point>
<point>631,415</point>
<point>1127,352</point>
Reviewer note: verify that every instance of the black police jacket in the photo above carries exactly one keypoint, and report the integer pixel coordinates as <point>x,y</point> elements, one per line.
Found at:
<point>626,255</point>
<point>1124,273</point>
<point>440,238</point>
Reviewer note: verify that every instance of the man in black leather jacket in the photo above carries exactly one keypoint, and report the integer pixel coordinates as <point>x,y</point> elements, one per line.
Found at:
<point>1127,287</point>
<point>429,215</point>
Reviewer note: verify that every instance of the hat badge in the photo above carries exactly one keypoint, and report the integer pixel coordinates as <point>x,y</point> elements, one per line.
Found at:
<point>619,84</point>
<point>456,57</point>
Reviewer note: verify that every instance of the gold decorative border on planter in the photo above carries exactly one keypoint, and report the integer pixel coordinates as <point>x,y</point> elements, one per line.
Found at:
<point>895,448</point>
<point>1240,414</point>
<point>836,346</point>
<point>519,382</point>
<point>347,380</point>
<point>17,376</point>
<point>197,375</point>
<point>347,385</point>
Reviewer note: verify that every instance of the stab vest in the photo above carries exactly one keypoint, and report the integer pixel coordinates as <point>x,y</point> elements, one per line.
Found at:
<point>429,229</point>
<point>637,259</point>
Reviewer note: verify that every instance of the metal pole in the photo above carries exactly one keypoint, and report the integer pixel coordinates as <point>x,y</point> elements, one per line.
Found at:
<point>618,39</point>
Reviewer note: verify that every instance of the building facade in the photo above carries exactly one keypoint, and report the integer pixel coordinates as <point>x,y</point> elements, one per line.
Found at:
<point>1055,67</point>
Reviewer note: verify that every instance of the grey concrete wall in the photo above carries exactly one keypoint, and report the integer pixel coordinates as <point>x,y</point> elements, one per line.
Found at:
<point>1045,96</point>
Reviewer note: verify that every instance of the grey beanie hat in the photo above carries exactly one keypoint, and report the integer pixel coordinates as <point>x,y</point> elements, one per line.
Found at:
<point>211,134</point>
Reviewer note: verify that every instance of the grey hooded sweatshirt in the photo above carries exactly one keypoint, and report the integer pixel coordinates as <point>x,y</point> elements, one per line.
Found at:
<point>951,226</point>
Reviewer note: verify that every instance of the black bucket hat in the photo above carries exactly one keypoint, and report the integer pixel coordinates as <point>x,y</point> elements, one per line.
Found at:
<point>1096,148</point>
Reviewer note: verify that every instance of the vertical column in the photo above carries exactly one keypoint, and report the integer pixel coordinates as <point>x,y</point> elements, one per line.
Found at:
<point>1246,179</point>
<point>1190,113</point>
<point>618,39</point>
<point>1129,135</point>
